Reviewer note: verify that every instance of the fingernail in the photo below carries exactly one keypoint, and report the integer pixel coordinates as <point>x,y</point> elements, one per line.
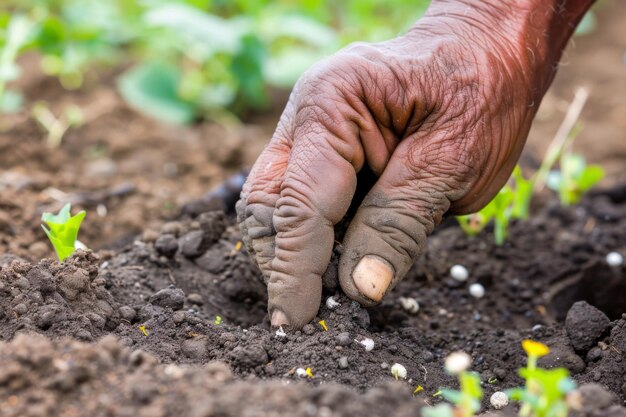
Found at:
<point>279,319</point>
<point>372,277</point>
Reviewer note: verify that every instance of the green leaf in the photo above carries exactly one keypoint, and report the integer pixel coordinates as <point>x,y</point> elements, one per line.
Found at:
<point>451,395</point>
<point>62,230</point>
<point>470,384</point>
<point>247,67</point>
<point>590,176</point>
<point>153,89</point>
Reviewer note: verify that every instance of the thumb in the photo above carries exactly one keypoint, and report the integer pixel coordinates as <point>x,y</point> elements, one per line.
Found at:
<point>390,227</point>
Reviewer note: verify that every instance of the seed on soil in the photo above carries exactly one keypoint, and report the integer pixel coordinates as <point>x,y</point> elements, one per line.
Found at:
<point>367,343</point>
<point>499,400</point>
<point>477,290</point>
<point>280,332</point>
<point>459,273</point>
<point>409,304</point>
<point>614,259</point>
<point>457,362</point>
<point>331,303</point>
<point>398,371</point>
<point>303,373</point>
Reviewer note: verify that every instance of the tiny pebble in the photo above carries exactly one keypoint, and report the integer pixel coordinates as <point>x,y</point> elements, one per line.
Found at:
<point>343,362</point>
<point>499,400</point>
<point>398,371</point>
<point>367,343</point>
<point>614,259</point>
<point>331,303</point>
<point>409,304</point>
<point>459,272</point>
<point>477,290</point>
<point>280,332</point>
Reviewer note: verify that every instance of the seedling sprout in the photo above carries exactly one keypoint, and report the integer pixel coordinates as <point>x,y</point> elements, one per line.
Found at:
<point>62,230</point>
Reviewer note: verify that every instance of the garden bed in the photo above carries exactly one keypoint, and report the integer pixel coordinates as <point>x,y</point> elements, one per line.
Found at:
<point>123,327</point>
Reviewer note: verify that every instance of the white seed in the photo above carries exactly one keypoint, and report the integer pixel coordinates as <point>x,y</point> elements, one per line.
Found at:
<point>367,343</point>
<point>477,290</point>
<point>331,303</point>
<point>459,272</point>
<point>301,372</point>
<point>457,362</point>
<point>409,304</point>
<point>79,245</point>
<point>499,400</point>
<point>398,371</point>
<point>280,332</point>
<point>614,259</point>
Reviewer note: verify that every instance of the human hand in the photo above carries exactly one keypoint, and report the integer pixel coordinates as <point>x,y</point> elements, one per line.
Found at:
<point>440,115</point>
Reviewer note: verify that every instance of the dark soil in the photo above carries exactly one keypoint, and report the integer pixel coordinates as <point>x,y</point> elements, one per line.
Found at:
<point>132,329</point>
<point>162,295</point>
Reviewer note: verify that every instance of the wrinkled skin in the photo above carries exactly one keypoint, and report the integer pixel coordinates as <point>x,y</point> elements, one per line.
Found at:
<point>440,115</point>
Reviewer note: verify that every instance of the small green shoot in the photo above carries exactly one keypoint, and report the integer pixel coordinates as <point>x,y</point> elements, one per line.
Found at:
<point>546,389</point>
<point>62,230</point>
<point>466,401</point>
<point>574,178</point>
<point>56,127</point>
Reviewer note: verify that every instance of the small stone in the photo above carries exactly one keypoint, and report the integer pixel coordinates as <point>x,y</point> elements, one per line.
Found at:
<point>193,244</point>
<point>170,297</point>
<point>499,400</point>
<point>459,273</point>
<point>178,317</point>
<point>195,348</point>
<point>331,303</point>
<point>614,259</point>
<point>172,228</point>
<point>343,362</point>
<point>195,298</point>
<point>128,313</point>
<point>409,304</point>
<point>584,325</point>
<point>166,245</point>
<point>20,309</point>
<point>343,339</point>
<point>477,290</point>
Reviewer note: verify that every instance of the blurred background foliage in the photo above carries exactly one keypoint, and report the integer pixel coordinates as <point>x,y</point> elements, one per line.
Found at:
<point>181,60</point>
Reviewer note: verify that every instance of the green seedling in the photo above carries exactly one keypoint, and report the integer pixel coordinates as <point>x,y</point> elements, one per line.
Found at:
<point>511,202</point>
<point>56,127</point>
<point>545,391</point>
<point>574,178</point>
<point>571,182</point>
<point>62,230</point>
<point>466,401</point>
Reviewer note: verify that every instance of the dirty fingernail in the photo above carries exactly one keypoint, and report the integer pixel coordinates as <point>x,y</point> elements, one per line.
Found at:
<point>279,319</point>
<point>372,276</point>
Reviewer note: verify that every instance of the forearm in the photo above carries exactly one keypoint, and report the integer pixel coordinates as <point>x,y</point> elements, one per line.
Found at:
<point>536,30</point>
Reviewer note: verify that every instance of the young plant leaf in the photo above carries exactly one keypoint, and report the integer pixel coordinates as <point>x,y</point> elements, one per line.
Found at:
<point>153,89</point>
<point>62,230</point>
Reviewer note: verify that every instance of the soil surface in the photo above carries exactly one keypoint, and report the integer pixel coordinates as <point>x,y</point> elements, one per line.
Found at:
<point>162,296</point>
<point>167,317</point>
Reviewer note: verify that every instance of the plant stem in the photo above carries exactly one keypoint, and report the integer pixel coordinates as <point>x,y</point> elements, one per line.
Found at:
<point>561,139</point>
